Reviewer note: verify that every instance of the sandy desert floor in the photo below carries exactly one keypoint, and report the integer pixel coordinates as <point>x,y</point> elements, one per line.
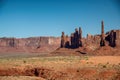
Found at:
<point>59,67</point>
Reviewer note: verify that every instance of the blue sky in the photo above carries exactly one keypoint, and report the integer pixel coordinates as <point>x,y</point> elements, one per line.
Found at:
<point>28,18</point>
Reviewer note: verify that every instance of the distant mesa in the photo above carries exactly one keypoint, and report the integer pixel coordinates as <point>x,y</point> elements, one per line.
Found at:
<point>29,45</point>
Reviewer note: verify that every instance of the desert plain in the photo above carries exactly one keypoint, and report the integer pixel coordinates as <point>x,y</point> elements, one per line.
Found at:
<point>46,66</point>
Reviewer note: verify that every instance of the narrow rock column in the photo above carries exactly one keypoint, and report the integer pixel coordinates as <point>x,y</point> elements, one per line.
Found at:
<point>72,40</point>
<point>102,42</point>
<point>67,44</point>
<point>62,45</point>
<point>76,38</point>
<point>80,37</point>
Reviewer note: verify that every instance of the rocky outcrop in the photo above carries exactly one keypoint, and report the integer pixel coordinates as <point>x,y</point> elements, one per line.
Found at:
<point>74,41</point>
<point>31,44</point>
<point>111,38</point>
<point>102,43</point>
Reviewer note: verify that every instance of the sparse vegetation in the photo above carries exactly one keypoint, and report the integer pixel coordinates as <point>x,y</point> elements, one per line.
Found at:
<point>61,67</point>
<point>104,66</point>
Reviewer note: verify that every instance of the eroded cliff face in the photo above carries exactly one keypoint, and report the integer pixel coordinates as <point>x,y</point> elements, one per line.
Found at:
<point>30,45</point>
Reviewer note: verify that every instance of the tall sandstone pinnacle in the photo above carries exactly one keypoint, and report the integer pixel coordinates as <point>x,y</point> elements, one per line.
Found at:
<point>63,40</point>
<point>102,42</point>
<point>76,38</point>
<point>80,33</point>
<point>80,37</point>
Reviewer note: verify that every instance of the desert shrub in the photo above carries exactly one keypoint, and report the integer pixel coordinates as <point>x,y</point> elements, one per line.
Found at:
<point>104,66</point>
<point>24,61</point>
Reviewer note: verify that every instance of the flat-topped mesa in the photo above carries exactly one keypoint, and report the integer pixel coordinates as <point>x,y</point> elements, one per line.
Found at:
<point>8,42</point>
<point>102,42</point>
<point>31,44</point>
<point>12,43</point>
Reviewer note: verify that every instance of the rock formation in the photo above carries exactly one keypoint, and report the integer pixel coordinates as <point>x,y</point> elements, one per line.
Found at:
<point>67,44</point>
<point>80,37</point>
<point>63,40</point>
<point>102,42</point>
<point>29,45</point>
<point>111,38</point>
<point>117,41</point>
<point>72,40</point>
<point>75,40</point>
<point>48,44</point>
